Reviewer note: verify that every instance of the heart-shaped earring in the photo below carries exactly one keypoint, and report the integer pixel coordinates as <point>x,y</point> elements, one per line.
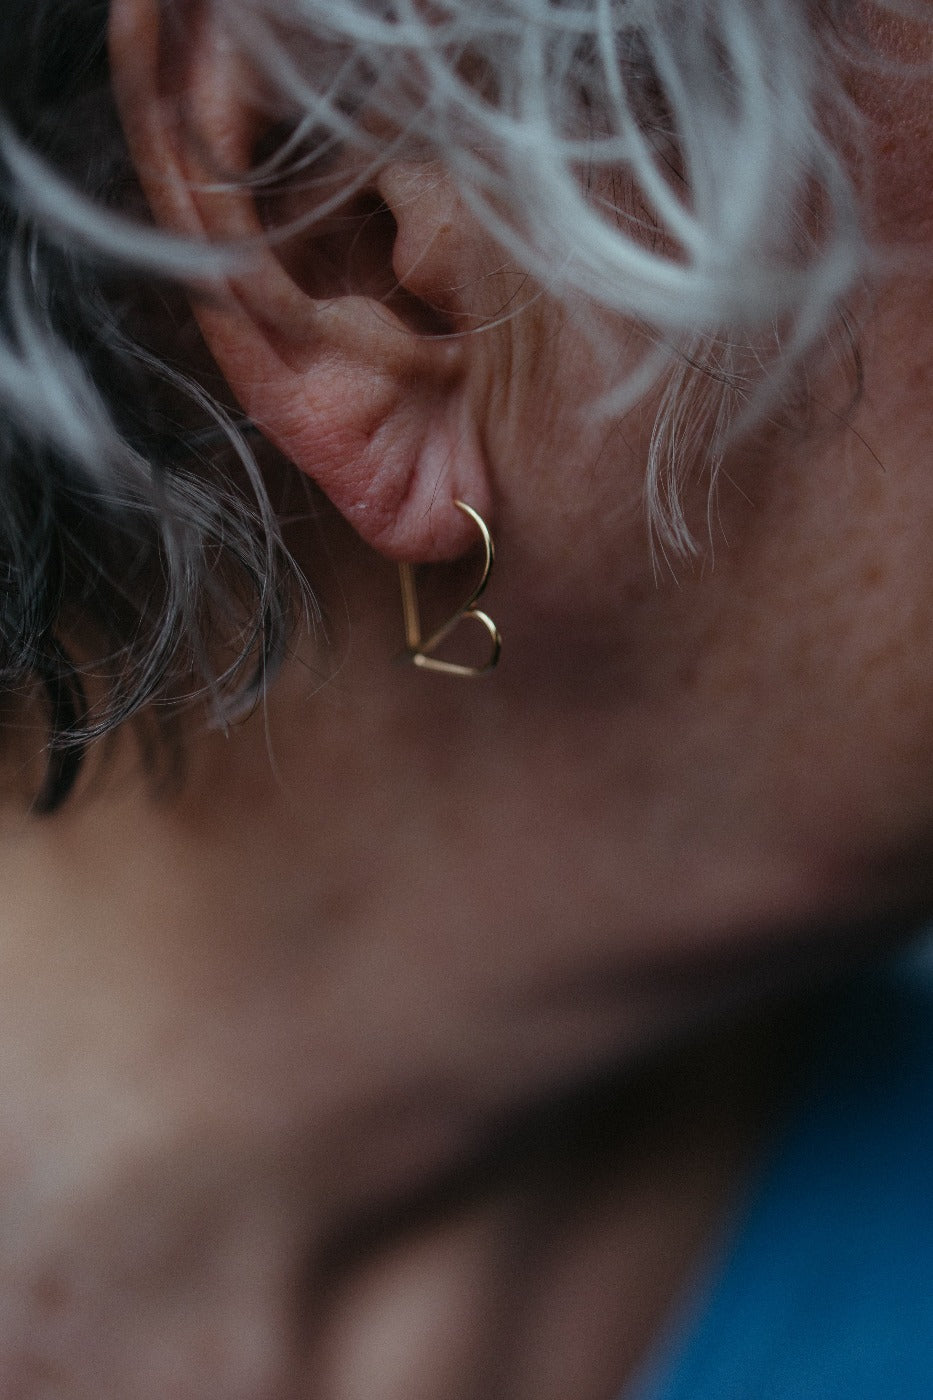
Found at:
<point>420,650</point>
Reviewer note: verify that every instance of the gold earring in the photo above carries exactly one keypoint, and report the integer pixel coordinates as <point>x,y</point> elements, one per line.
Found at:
<point>421,649</point>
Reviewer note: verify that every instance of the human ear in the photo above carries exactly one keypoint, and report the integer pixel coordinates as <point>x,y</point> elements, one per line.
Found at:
<point>347,376</point>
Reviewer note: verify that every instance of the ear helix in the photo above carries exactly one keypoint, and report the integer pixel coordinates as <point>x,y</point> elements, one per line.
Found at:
<point>420,650</point>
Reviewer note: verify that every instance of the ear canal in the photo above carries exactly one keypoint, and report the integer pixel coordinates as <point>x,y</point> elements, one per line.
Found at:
<point>353,251</point>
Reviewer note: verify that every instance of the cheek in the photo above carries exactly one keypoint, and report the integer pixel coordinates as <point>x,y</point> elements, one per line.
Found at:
<point>569,474</point>
<point>897,102</point>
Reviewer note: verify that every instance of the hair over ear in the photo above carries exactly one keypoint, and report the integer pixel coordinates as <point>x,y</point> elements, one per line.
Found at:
<point>329,337</point>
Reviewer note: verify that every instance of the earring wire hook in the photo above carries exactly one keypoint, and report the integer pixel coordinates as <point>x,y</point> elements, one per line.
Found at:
<point>420,649</point>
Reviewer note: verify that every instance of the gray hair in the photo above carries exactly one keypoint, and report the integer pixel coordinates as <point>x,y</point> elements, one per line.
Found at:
<point>136,528</point>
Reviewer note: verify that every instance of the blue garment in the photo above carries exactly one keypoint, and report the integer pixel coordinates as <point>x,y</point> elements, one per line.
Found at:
<point>826,1289</point>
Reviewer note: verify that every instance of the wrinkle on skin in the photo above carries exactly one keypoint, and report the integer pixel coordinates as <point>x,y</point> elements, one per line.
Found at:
<point>235,1024</point>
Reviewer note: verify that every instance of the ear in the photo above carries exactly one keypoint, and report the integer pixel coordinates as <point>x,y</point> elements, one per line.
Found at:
<point>329,340</point>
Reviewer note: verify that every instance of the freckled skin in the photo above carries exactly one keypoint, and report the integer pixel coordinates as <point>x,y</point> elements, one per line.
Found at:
<point>897,107</point>
<point>388,912</point>
<point>230,1020</point>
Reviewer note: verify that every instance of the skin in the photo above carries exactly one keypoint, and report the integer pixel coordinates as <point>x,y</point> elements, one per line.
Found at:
<point>390,912</point>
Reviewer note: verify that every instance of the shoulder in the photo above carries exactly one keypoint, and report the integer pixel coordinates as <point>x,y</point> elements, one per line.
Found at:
<point>824,1287</point>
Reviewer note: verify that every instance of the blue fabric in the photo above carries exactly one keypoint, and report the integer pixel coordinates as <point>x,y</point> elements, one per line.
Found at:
<point>826,1291</point>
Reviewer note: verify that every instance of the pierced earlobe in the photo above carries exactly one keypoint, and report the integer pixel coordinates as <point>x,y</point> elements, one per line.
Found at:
<point>420,650</point>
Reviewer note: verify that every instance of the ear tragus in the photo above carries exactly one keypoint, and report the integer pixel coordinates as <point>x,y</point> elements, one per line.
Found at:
<point>352,249</point>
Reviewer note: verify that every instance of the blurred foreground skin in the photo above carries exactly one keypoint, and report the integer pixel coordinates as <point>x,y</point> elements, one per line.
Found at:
<point>248,1032</point>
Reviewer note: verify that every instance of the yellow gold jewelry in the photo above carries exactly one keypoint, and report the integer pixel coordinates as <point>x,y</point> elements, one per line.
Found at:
<point>420,649</point>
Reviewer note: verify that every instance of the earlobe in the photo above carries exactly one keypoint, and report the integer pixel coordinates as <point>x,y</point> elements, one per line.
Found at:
<point>329,350</point>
